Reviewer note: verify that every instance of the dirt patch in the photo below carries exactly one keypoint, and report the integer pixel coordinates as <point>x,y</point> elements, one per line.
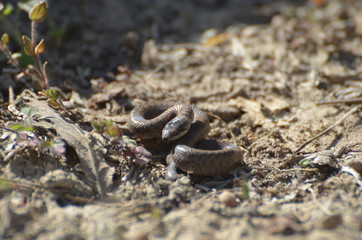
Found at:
<point>262,87</point>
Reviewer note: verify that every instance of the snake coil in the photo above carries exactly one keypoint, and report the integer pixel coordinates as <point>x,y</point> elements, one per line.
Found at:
<point>186,127</point>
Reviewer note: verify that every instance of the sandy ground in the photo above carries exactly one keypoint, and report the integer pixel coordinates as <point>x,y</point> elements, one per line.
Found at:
<point>260,70</point>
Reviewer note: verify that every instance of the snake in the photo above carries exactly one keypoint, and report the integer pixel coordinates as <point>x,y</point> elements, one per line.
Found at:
<point>186,127</point>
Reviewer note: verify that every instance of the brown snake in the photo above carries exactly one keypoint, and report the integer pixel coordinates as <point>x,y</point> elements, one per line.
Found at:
<point>187,127</point>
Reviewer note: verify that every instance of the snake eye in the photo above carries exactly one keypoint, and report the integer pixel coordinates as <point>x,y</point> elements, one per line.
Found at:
<point>175,129</point>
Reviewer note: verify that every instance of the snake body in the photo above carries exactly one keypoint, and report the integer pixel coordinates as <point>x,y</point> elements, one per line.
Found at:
<point>186,127</point>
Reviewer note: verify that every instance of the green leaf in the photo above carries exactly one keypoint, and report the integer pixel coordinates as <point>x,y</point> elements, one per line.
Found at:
<point>245,191</point>
<point>98,125</point>
<point>114,131</point>
<point>40,47</point>
<point>7,10</point>
<point>27,5</point>
<point>52,93</point>
<point>156,213</point>
<point>305,163</point>
<point>108,122</point>
<point>53,104</point>
<point>21,127</point>
<point>128,141</point>
<point>28,46</point>
<point>38,12</point>
<point>26,110</point>
<point>5,185</point>
<point>5,39</point>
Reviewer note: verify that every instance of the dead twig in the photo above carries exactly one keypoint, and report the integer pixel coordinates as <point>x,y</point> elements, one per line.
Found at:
<point>300,169</point>
<point>350,112</point>
<point>352,100</point>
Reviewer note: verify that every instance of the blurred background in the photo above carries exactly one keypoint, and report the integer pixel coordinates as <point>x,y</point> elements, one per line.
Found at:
<point>89,38</point>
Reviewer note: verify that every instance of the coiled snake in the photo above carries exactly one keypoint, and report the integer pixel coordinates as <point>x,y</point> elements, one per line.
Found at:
<point>187,127</point>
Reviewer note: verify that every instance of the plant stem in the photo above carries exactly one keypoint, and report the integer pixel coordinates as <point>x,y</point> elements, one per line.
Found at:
<point>33,33</point>
<point>43,78</point>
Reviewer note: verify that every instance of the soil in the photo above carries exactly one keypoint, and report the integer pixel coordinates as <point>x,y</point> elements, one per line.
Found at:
<point>265,72</point>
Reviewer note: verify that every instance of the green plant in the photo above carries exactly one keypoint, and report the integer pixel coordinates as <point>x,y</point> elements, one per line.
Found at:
<point>26,137</point>
<point>32,47</point>
<point>122,144</point>
<point>106,126</point>
<point>53,98</point>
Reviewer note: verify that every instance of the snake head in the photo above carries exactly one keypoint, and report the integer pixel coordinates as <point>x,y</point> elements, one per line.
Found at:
<point>175,129</point>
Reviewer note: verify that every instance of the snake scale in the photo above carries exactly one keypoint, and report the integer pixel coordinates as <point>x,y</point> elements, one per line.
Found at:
<point>186,127</point>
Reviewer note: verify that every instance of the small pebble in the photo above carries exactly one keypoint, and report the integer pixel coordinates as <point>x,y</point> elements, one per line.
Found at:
<point>228,198</point>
